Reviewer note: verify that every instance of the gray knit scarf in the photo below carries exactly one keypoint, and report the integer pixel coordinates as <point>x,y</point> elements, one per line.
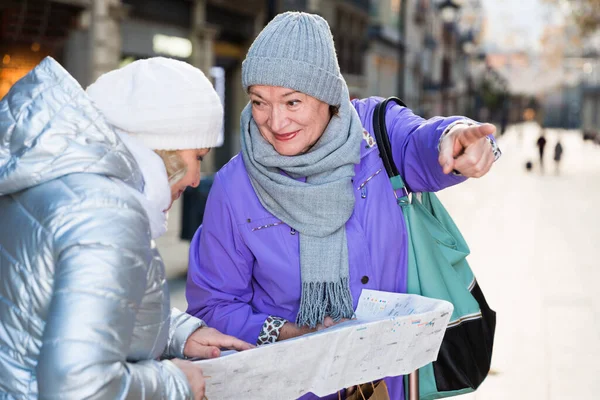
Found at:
<point>318,208</point>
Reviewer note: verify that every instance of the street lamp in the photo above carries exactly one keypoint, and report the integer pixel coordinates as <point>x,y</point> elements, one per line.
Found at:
<point>449,11</point>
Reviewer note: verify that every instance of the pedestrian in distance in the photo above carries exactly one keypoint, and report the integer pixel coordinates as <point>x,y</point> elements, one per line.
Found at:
<point>304,218</point>
<point>84,304</point>
<point>528,166</point>
<point>541,145</point>
<point>558,152</point>
<point>504,122</point>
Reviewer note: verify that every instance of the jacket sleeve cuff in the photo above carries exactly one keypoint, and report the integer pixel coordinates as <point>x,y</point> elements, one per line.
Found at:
<point>495,149</point>
<point>176,383</point>
<point>270,330</point>
<point>182,326</point>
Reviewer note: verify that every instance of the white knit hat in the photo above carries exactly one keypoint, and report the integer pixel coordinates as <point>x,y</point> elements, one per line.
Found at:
<point>164,103</point>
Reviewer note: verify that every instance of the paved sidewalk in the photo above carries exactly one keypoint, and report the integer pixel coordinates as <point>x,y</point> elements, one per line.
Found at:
<point>535,242</point>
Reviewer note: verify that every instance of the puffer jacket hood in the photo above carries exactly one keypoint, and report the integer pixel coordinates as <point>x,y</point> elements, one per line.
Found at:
<point>49,128</point>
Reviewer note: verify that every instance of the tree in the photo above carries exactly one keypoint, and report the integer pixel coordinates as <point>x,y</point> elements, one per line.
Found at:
<point>585,13</point>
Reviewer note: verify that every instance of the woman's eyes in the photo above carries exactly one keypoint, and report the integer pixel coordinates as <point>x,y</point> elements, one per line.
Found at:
<point>290,103</point>
<point>200,158</point>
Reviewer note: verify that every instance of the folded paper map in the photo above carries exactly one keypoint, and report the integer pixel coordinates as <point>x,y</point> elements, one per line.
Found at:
<point>393,334</point>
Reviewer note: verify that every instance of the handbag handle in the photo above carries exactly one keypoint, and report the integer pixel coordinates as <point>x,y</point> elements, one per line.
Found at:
<point>385,149</point>
<point>381,135</point>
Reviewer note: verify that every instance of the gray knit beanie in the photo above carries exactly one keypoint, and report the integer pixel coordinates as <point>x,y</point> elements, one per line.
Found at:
<point>296,51</point>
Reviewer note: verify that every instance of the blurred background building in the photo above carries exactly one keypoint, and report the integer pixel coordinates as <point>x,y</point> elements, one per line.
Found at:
<point>427,52</point>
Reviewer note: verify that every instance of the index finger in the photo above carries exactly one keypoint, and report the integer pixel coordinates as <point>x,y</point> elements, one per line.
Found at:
<point>232,343</point>
<point>474,133</point>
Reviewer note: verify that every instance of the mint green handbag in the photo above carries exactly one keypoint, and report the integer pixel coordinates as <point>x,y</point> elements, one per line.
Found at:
<point>437,268</point>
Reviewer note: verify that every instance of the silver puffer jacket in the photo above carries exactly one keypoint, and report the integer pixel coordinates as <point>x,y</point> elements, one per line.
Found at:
<point>84,304</point>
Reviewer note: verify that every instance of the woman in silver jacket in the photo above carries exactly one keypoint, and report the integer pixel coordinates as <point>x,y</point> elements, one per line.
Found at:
<point>84,304</point>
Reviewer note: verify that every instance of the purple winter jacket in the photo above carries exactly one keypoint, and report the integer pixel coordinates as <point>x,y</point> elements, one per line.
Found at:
<point>240,274</point>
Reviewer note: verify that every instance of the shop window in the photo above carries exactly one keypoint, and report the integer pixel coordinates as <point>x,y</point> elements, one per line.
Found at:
<point>350,34</point>
<point>16,62</point>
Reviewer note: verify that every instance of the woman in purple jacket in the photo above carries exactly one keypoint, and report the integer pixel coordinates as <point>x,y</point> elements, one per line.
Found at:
<point>306,218</point>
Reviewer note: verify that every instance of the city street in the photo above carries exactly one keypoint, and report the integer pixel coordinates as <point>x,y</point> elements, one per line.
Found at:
<point>535,244</point>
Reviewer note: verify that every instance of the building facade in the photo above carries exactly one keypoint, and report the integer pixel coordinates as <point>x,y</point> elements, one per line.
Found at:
<point>386,47</point>
<point>384,57</point>
<point>590,89</point>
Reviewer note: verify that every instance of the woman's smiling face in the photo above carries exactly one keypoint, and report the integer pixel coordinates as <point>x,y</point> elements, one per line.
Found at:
<point>292,122</point>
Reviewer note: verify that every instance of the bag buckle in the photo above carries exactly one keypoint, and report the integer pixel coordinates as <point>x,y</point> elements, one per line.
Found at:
<point>400,190</point>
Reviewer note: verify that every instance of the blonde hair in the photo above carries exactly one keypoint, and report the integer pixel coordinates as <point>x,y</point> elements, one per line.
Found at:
<point>176,167</point>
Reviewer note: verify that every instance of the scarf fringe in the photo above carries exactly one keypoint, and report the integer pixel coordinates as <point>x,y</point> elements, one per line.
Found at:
<point>324,299</point>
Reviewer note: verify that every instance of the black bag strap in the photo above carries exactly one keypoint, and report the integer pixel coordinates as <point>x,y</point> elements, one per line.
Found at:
<point>381,135</point>
<point>385,149</point>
